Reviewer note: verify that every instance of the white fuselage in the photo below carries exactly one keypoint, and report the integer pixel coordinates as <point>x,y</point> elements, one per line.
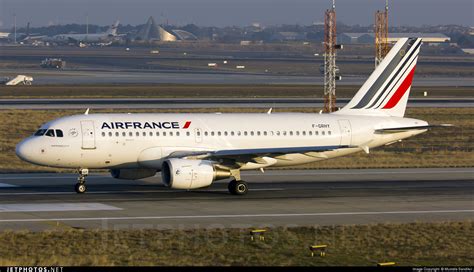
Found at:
<point>87,38</point>
<point>118,141</point>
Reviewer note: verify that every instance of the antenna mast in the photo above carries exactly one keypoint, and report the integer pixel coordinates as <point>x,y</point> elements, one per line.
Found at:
<point>87,24</point>
<point>330,47</point>
<point>381,34</point>
<point>14,26</point>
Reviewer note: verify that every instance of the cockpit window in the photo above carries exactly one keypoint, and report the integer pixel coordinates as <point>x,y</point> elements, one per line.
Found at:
<point>40,132</point>
<point>59,133</point>
<point>49,133</point>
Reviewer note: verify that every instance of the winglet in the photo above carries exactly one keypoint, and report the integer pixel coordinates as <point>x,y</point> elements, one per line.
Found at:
<point>87,112</point>
<point>270,111</point>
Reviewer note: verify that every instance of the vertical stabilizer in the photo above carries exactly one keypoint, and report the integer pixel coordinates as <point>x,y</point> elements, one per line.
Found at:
<point>387,89</point>
<point>112,31</point>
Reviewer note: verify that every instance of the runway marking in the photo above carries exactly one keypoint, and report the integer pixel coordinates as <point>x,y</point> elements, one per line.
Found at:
<point>6,185</point>
<point>269,173</point>
<point>49,177</point>
<point>358,172</point>
<point>56,207</point>
<point>141,191</point>
<point>232,216</point>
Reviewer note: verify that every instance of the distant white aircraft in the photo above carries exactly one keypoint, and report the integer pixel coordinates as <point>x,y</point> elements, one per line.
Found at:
<point>193,150</point>
<point>19,80</point>
<point>103,37</point>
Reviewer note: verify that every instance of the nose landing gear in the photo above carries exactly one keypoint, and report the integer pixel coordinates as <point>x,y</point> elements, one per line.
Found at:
<point>80,186</point>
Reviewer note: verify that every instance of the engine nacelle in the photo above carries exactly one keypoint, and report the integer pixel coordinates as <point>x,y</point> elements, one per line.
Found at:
<point>190,174</point>
<point>132,174</point>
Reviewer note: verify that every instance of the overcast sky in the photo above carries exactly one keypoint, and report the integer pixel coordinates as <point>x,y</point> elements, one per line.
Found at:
<point>232,12</point>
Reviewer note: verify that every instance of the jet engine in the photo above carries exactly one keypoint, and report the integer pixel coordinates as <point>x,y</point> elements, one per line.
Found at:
<point>191,174</point>
<point>132,174</point>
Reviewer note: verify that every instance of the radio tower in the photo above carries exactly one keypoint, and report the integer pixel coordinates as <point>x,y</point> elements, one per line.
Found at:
<point>381,34</point>
<point>330,59</point>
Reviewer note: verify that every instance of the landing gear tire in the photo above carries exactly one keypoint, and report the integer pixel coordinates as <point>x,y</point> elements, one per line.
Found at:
<point>238,187</point>
<point>81,181</point>
<point>80,188</point>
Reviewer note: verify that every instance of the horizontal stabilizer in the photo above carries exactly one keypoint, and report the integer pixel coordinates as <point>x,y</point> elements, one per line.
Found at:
<point>405,129</point>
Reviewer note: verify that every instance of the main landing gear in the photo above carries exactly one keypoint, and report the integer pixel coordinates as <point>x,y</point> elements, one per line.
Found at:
<point>81,181</point>
<point>238,187</point>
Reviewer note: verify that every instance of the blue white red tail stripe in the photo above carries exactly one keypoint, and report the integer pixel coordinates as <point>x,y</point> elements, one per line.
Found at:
<point>387,89</point>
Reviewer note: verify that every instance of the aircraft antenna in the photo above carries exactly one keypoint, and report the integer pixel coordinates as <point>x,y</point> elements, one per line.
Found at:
<point>381,34</point>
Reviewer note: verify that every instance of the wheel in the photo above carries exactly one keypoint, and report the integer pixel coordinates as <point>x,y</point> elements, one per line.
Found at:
<point>80,188</point>
<point>239,187</point>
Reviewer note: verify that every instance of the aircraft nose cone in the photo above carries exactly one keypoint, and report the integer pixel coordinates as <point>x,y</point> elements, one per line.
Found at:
<point>24,151</point>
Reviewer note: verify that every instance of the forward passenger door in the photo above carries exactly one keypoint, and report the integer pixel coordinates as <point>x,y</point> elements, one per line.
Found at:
<point>88,134</point>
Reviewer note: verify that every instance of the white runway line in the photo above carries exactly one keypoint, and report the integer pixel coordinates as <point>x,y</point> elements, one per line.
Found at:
<point>56,207</point>
<point>53,176</point>
<point>409,171</point>
<point>234,216</point>
<point>358,172</point>
<point>6,185</point>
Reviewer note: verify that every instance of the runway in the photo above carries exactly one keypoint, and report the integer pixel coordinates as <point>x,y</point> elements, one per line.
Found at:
<point>193,103</point>
<point>277,198</point>
<point>133,76</point>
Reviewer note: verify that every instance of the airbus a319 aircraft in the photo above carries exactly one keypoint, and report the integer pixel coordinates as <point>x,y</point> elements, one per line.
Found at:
<point>193,150</point>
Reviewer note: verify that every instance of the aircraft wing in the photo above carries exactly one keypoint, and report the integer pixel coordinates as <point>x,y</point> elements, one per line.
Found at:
<point>405,129</point>
<point>254,154</point>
